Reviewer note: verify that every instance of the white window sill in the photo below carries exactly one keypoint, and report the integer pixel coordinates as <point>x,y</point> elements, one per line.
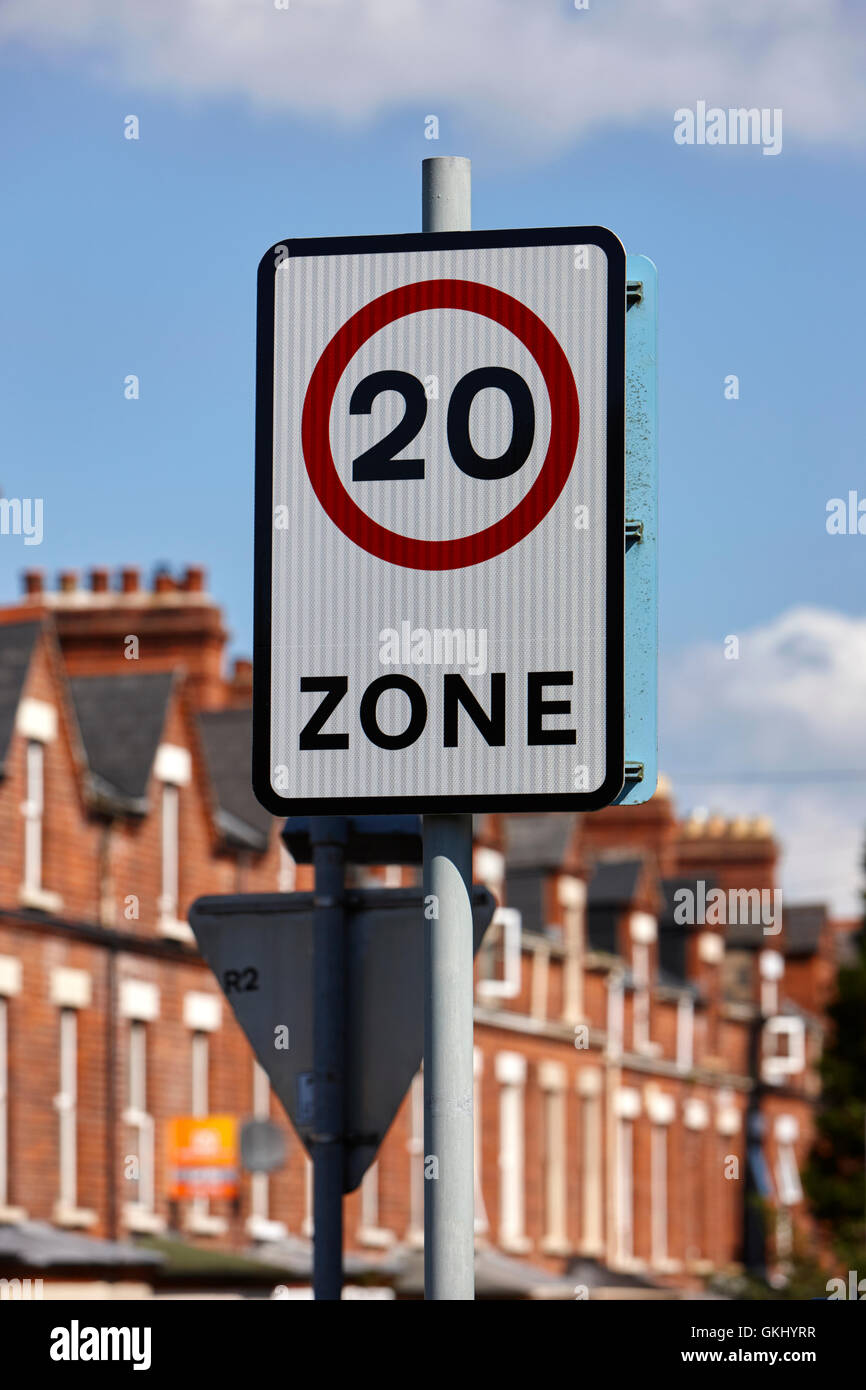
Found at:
<point>76,1218</point>
<point>176,931</point>
<point>515,1245</point>
<point>667,1266</point>
<point>142,1221</point>
<point>39,898</point>
<point>415,1239</point>
<point>260,1228</point>
<point>375,1237</point>
<point>556,1245</point>
<point>592,1250</point>
<point>10,1216</point>
<point>201,1223</point>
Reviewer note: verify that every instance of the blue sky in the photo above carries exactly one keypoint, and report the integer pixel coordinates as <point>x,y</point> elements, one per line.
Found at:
<point>140,256</point>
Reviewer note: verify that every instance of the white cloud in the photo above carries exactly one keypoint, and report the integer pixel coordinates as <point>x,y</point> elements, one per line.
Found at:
<point>540,75</point>
<point>793,703</point>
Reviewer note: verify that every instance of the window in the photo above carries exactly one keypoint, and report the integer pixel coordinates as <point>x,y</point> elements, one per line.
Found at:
<point>771,966</point>
<point>552,1079</point>
<point>737,976</point>
<point>172,768</point>
<point>661,1108</point>
<point>615,1012</point>
<point>307,1226</point>
<point>4,1103</point>
<point>696,1119</point>
<point>627,1110</point>
<point>643,931</point>
<point>659,1182</point>
<point>10,985</point>
<point>477,1137</point>
<point>202,1014</point>
<point>70,992</point>
<point>511,1074</point>
<point>415,1147</point>
<point>169,850</point>
<point>370,1232</point>
<point>139,1003</point>
<point>259,1223</point>
<point>784,1048</point>
<point>36,721</point>
<point>571,893</point>
<point>788,1186</point>
<point>641,1005</point>
<point>67,1103</point>
<point>685,1032</point>
<point>500,957</point>
<point>589,1088</point>
<point>33,808</point>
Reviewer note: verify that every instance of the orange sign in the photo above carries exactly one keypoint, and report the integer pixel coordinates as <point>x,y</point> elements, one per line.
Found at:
<point>203,1156</point>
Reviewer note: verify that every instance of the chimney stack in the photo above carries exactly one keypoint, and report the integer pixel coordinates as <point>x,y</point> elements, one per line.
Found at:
<point>193,579</point>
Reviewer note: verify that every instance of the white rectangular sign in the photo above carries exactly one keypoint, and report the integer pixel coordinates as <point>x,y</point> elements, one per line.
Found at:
<point>439,522</point>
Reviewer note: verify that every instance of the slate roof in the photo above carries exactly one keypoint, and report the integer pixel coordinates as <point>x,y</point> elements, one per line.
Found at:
<point>17,641</point>
<point>525,891</point>
<point>38,1245</point>
<point>496,1276</point>
<point>802,927</point>
<point>538,841</point>
<point>614,882</point>
<point>121,719</point>
<point>227,735</point>
<point>673,935</point>
<point>671,886</point>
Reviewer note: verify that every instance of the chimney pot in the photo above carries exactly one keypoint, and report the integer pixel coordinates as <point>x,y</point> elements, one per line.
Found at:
<point>129,581</point>
<point>99,581</point>
<point>163,584</point>
<point>33,581</point>
<point>194,579</point>
<point>68,581</point>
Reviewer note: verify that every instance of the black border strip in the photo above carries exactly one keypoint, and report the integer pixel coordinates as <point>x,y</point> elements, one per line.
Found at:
<point>615,568</point>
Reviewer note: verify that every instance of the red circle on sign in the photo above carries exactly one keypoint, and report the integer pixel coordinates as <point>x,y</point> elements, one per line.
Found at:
<point>530,510</point>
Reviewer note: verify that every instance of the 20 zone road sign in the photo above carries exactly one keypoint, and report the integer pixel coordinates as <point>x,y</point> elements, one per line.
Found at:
<point>440,533</point>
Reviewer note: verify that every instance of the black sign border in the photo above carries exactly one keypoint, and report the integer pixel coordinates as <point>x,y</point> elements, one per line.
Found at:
<point>614,777</point>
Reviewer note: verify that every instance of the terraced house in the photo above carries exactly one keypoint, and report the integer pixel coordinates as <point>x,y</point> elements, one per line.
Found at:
<point>637,1075</point>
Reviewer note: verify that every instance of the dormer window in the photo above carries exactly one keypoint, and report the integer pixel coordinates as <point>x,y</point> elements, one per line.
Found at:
<point>173,769</point>
<point>36,721</point>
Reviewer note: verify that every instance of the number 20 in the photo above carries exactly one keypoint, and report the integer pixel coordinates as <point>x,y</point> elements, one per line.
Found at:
<point>378,465</point>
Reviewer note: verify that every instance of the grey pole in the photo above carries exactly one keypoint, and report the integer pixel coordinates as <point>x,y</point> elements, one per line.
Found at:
<point>328,835</point>
<point>449,1174</point>
<point>446,194</point>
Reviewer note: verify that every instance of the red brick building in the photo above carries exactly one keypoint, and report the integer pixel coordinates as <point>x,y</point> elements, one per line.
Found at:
<point>631,1001</point>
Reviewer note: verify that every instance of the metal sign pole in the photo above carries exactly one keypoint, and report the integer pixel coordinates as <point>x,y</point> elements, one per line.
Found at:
<point>449,1174</point>
<point>328,835</point>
